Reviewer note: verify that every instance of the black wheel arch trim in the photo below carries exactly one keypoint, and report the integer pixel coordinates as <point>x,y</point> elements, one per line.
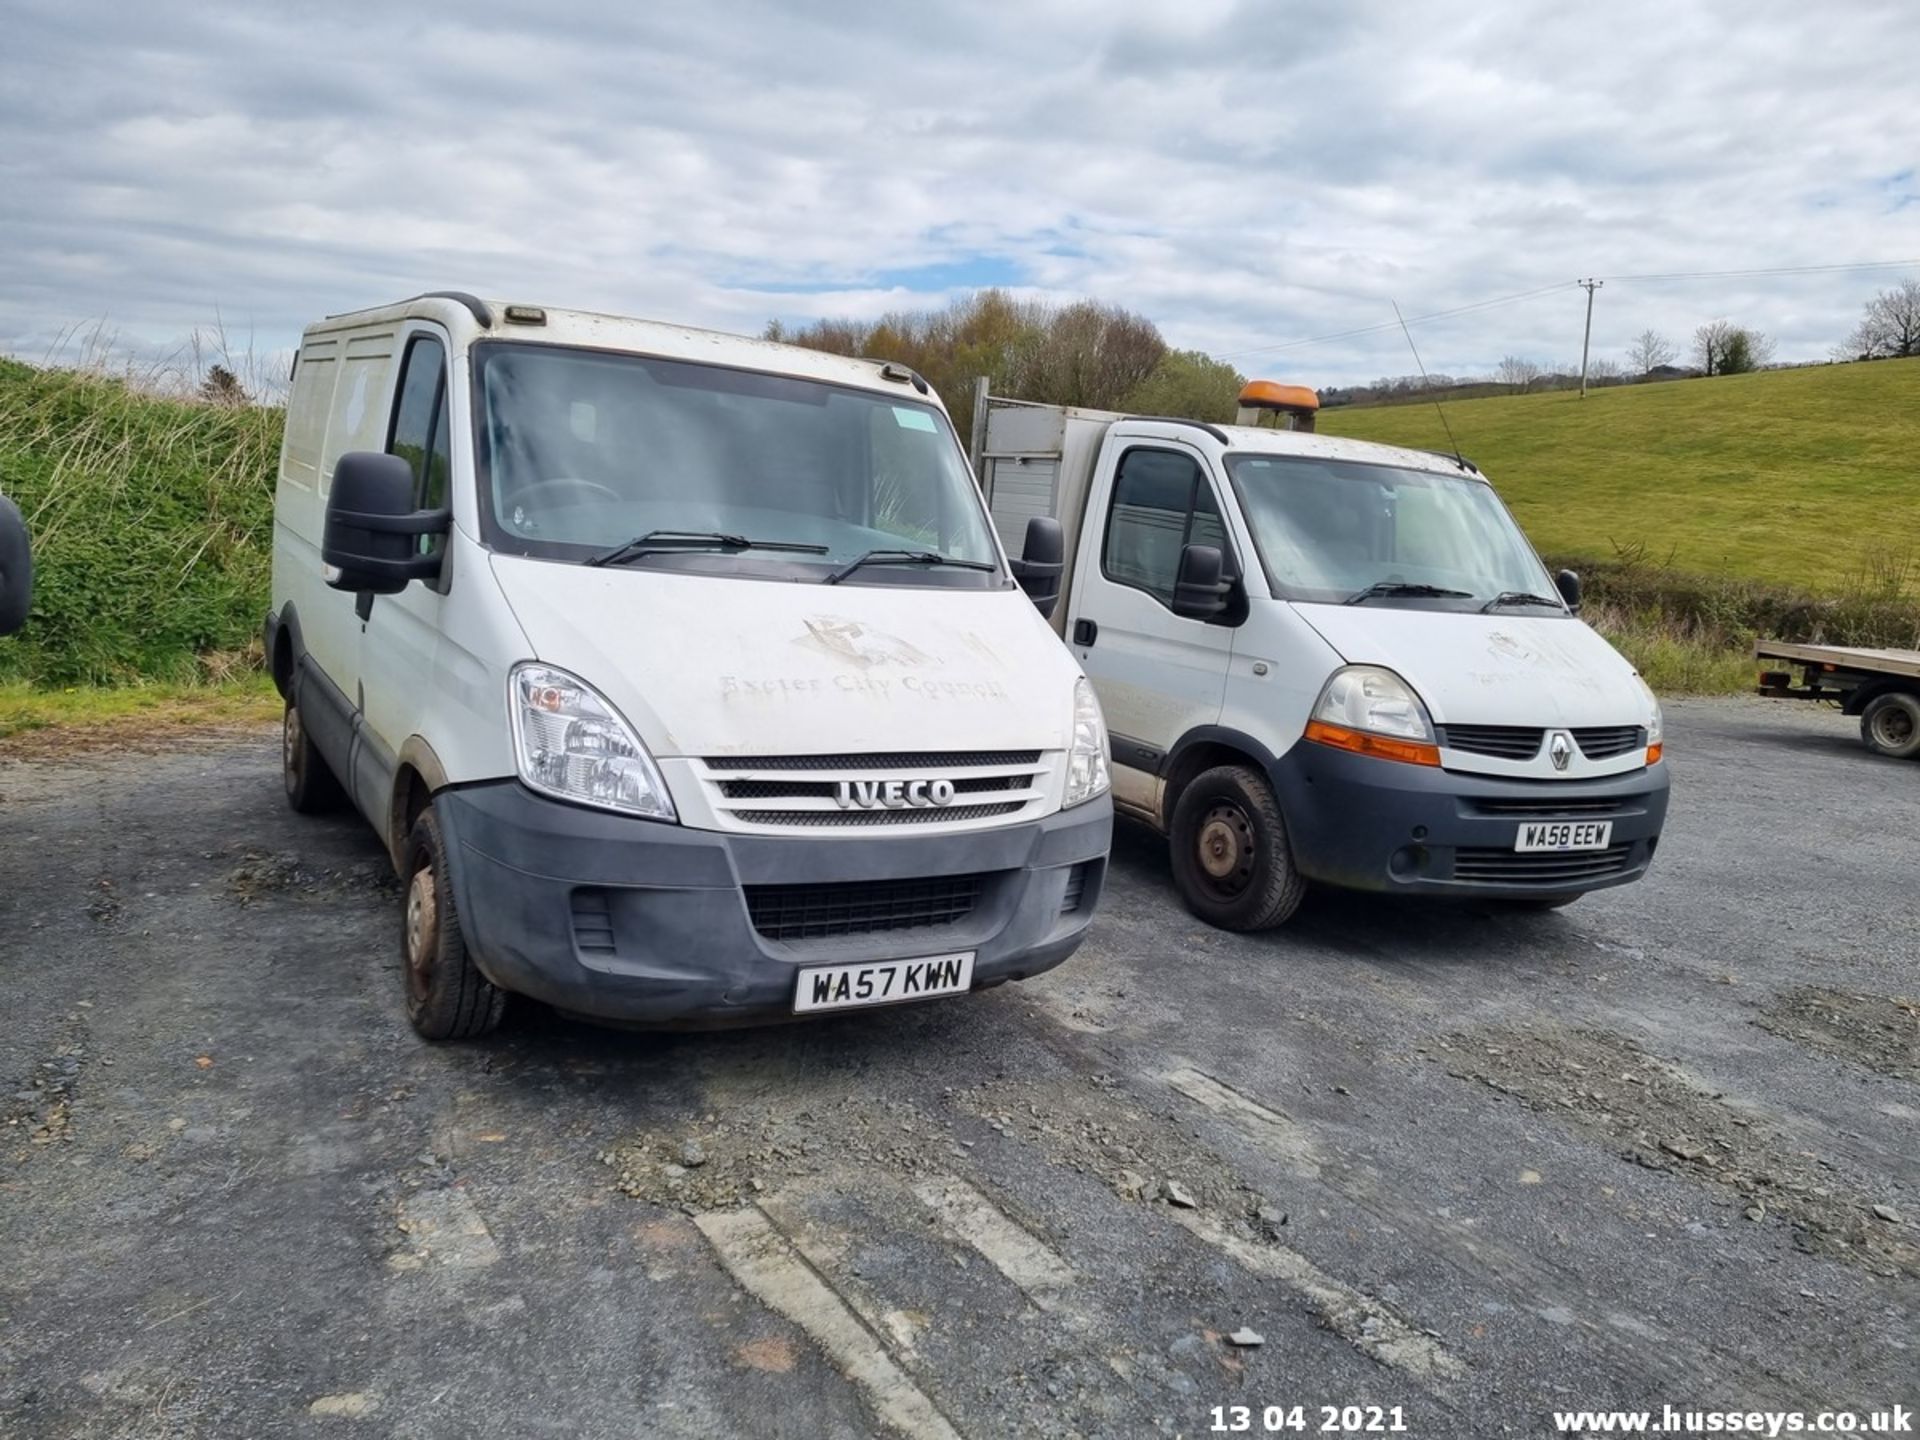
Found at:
<point>1862,696</point>
<point>1218,735</point>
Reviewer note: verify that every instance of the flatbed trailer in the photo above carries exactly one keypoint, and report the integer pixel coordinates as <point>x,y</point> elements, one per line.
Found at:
<point>1882,687</point>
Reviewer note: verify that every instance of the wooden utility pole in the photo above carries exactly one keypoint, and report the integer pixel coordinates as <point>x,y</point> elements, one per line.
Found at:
<point>1587,339</point>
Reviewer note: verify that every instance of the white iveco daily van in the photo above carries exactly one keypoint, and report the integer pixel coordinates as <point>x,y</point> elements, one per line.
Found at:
<point>681,674</point>
<point>1331,661</point>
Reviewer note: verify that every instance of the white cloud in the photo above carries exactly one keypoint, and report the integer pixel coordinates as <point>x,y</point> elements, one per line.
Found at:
<point>1243,176</point>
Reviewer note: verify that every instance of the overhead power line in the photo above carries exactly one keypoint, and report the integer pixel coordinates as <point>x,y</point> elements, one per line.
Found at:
<point>1524,295</point>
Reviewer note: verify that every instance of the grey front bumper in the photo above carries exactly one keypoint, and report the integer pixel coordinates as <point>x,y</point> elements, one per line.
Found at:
<point>635,921</point>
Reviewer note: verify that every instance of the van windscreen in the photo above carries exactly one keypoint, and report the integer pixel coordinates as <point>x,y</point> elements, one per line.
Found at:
<point>580,451</point>
<point>1332,530</point>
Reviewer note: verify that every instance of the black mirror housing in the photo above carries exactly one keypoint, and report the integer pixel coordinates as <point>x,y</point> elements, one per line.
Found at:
<point>1042,561</point>
<point>16,569</point>
<point>1568,582</point>
<point>372,529</point>
<point>1200,588</point>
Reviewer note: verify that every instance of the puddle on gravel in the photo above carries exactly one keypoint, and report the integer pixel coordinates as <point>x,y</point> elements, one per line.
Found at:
<point>1878,1031</point>
<point>1604,1085</point>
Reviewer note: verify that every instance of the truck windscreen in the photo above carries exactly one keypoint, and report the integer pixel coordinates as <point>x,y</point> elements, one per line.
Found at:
<point>581,451</point>
<point>1330,530</point>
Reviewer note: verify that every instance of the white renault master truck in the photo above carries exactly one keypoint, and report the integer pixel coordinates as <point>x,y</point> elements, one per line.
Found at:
<point>1325,660</point>
<point>681,674</point>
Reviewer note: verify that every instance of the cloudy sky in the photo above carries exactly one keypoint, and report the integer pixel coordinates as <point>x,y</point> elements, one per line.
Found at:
<point>1247,175</point>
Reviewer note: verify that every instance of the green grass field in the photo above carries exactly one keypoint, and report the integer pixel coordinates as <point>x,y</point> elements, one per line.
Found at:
<point>1802,477</point>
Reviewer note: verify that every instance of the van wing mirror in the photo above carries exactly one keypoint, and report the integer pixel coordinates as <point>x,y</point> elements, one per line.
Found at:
<point>1200,589</point>
<point>16,569</point>
<point>1569,583</point>
<point>1042,559</point>
<point>371,542</point>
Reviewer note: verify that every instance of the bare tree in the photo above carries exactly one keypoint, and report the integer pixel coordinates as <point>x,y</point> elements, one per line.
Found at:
<point>1891,324</point>
<point>1517,372</point>
<point>1649,351</point>
<point>1710,344</point>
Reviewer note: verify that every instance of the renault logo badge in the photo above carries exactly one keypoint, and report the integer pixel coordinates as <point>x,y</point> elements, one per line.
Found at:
<point>1560,749</point>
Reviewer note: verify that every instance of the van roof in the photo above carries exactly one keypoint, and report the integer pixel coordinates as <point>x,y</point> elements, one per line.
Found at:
<point>1248,438</point>
<point>468,319</point>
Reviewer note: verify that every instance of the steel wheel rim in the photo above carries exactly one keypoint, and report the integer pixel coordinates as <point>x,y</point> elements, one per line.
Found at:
<point>1225,849</point>
<point>290,741</point>
<point>1893,726</point>
<point>423,931</point>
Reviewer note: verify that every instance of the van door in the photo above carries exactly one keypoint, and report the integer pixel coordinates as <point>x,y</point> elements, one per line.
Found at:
<point>402,632</point>
<point>1158,674</point>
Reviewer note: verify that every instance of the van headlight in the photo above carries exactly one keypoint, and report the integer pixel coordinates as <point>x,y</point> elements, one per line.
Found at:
<point>571,744</point>
<point>1656,723</point>
<point>1089,764</point>
<point>1366,710</point>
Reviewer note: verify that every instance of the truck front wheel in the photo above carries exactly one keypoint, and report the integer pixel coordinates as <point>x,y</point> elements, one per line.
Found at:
<point>1891,725</point>
<point>311,786</point>
<point>1230,854</point>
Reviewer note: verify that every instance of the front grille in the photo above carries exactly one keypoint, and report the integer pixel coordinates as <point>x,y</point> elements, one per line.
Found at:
<point>938,760</point>
<point>1546,806</point>
<point>786,792</point>
<point>1546,870</point>
<point>1503,742</point>
<point>824,789</point>
<point>1604,742</point>
<point>875,817</point>
<point>822,912</point>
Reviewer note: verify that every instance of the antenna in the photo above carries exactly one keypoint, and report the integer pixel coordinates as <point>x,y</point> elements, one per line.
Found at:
<point>1452,444</point>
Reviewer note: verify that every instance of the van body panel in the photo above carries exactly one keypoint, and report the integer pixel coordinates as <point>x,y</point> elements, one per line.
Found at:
<point>762,667</point>
<point>1500,669</point>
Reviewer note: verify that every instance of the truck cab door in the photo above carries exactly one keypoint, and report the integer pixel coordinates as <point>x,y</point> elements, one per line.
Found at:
<point>1158,674</point>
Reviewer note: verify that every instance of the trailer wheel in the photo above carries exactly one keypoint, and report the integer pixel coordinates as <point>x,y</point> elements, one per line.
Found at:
<point>1231,859</point>
<point>312,787</point>
<point>447,996</point>
<point>1891,725</point>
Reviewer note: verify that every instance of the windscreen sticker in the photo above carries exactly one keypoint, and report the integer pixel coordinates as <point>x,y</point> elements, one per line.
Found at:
<point>909,419</point>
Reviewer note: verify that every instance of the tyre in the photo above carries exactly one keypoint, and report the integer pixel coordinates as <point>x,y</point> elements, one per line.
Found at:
<point>312,787</point>
<point>1891,725</point>
<point>447,996</point>
<point>1230,854</point>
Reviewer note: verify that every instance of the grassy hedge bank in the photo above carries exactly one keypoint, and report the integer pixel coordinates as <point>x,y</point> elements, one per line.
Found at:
<point>152,527</point>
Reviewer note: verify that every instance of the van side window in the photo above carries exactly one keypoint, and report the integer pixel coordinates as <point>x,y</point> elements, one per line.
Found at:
<point>1161,504</point>
<point>419,433</point>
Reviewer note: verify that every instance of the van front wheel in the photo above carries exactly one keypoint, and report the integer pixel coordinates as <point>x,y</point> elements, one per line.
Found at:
<point>447,996</point>
<point>1231,859</point>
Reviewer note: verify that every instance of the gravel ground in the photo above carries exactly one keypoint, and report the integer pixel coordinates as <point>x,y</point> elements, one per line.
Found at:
<point>1661,1147</point>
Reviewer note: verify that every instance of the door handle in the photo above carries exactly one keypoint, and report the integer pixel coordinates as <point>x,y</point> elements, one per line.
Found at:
<point>1084,632</point>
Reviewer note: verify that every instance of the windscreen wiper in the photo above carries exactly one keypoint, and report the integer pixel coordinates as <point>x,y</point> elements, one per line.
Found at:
<point>656,542</point>
<point>1403,587</point>
<point>902,557</point>
<point>1519,597</point>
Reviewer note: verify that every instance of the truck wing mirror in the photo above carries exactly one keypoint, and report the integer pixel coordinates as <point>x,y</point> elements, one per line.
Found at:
<point>16,569</point>
<point>1200,590</point>
<point>1569,583</point>
<point>1041,562</point>
<point>371,543</point>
